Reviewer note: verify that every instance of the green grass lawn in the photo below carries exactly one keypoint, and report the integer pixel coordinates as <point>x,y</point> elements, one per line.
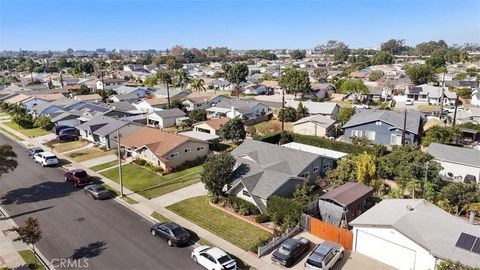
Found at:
<point>29,258</point>
<point>91,153</point>
<point>11,134</point>
<point>230,228</point>
<point>428,108</point>
<point>64,147</point>
<point>116,193</point>
<point>159,217</point>
<point>30,132</point>
<point>150,184</point>
<point>104,165</point>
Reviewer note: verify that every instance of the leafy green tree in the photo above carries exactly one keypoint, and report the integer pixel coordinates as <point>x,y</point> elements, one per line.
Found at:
<point>420,74</point>
<point>198,115</point>
<point>233,130</point>
<point>84,90</point>
<point>438,134</point>
<point>344,114</point>
<point>288,114</point>
<point>43,122</point>
<point>236,73</point>
<point>426,48</point>
<point>298,54</point>
<point>198,85</point>
<point>321,74</point>
<point>465,93</point>
<point>105,94</point>
<point>177,103</point>
<point>394,46</point>
<point>382,58</point>
<point>339,50</point>
<point>305,194</point>
<point>217,172</point>
<point>450,265</point>
<point>8,159</point>
<point>457,195</point>
<point>295,81</point>
<point>302,111</point>
<point>366,168</point>
<point>437,59</point>
<point>29,234</point>
<point>150,80</point>
<point>355,87</point>
<point>346,171</point>
<point>375,75</point>
<point>181,78</point>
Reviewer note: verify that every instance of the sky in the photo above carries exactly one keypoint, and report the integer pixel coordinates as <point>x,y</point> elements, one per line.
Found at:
<point>245,24</point>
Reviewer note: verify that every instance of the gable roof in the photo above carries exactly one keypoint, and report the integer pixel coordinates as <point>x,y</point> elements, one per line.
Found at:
<point>199,97</point>
<point>156,101</point>
<point>175,112</point>
<point>216,124</point>
<point>425,224</point>
<point>432,91</point>
<point>88,97</point>
<point>454,154</point>
<point>394,118</point>
<point>319,119</point>
<point>326,108</point>
<point>238,104</point>
<point>347,193</point>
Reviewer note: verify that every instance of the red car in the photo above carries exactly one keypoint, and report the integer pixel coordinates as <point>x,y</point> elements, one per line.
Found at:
<point>79,177</point>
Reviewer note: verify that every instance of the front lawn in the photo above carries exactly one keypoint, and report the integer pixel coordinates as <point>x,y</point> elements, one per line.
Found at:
<point>159,217</point>
<point>90,153</point>
<point>428,108</point>
<point>11,134</point>
<point>150,184</point>
<point>29,132</point>
<point>228,227</point>
<point>64,147</point>
<point>104,166</point>
<point>29,259</point>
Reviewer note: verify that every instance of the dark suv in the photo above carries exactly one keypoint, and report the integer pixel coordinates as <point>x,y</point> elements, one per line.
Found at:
<point>78,177</point>
<point>174,233</point>
<point>69,131</point>
<point>57,129</point>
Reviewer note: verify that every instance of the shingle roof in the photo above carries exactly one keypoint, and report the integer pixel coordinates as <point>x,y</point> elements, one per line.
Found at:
<point>425,224</point>
<point>319,119</point>
<point>347,193</point>
<point>156,101</point>
<point>175,112</point>
<point>215,123</point>
<point>326,108</point>
<point>393,118</point>
<point>448,153</point>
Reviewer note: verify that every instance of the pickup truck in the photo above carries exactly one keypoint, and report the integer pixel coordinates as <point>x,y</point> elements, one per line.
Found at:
<point>78,177</point>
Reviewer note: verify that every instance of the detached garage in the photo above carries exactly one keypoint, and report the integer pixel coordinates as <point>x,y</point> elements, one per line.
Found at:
<point>413,234</point>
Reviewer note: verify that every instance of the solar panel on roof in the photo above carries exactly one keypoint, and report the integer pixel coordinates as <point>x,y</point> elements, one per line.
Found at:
<point>466,241</point>
<point>476,246</point>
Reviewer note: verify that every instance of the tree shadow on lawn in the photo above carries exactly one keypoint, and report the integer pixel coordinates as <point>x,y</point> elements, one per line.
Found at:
<point>39,192</point>
<point>92,250</point>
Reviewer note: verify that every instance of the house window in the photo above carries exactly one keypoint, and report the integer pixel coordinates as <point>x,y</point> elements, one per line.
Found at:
<point>188,150</point>
<point>356,133</point>
<point>396,139</point>
<point>370,135</point>
<point>305,175</point>
<point>200,148</point>
<point>326,166</point>
<point>245,193</point>
<point>144,153</point>
<point>174,155</point>
<point>378,123</point>
<point>315,169</point>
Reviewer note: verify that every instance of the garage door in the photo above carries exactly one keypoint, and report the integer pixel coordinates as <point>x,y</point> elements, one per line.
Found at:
<point>385,251</point>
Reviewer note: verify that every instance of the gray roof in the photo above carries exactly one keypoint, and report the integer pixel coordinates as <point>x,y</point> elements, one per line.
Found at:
<point>425,224</point>
<point>394,118</point>
<point>325,108</point>
<point>123,89</point>
<point>319,119</point>
<point>432,91</point>
<point>170,113</point>
<point>66,116</point>
<point>264,167</point>
<point>348,193</point>
<point>173,92</point>
<point>122,106</point>
<point>239,104</point>
<point>448,153</point>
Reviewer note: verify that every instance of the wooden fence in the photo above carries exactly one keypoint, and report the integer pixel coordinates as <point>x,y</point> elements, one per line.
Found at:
<point>328,232</point>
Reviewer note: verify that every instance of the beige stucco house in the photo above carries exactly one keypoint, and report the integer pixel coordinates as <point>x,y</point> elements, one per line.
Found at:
<point>314,125</point>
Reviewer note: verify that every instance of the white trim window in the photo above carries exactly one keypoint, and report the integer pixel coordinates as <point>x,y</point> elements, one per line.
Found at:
<point>188,150</point>
<point>174,155</point>
<point>370,135</point>
<point>246,193</point>
<point>396,139</point>
<point>200,148</point>
<point>315,169</point>
<point>357,133</point>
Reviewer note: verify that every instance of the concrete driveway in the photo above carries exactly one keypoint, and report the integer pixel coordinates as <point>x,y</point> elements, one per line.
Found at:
<point>350,261</point>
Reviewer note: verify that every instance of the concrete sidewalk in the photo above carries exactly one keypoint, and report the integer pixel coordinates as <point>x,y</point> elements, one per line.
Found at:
<point>9,257</point>
<point>191,191</point>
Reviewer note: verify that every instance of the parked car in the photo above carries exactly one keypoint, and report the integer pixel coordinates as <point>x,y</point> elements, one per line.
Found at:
<point>97,192</point>
<point>452,109</point>
<point>46,158</point>
<point>70,131</point>
<point>409,102</point>
<point>361,106</point>
<point>78,177</point>
<point>290,250</point>
<point>324,256</point>
<point>67,137</point>
<point>213,258</point>
<point>57,129</point>
<point>34,150</point>
<point>172,232</point>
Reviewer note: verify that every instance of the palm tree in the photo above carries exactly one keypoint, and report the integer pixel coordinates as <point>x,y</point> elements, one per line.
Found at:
<point>198,85</point>
<point>181,78</point>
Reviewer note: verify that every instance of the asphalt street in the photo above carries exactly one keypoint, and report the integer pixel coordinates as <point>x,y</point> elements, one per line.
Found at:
<point>76,227</point>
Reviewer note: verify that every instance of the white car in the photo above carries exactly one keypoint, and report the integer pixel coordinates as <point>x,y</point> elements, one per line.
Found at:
<point>46,158</point>
<point>452,109</point>
<point>409,102</point>
<point>213,258</point>
<point>361,106</point>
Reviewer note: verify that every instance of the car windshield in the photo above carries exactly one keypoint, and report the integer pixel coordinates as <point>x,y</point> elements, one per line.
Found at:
<point>99,188</point>
<point>284,250</point>
<point>315,262</point>
<point>224,259</point>
<point>178,231</point>
<point>50,157</point>
<point>81,174</point>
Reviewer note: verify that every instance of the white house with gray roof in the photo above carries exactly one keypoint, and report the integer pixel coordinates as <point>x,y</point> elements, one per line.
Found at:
<point>458,164</point>
<point>415,234</point>
<point>328,109</point>
<point>431,94</point>
<point>263,170</point>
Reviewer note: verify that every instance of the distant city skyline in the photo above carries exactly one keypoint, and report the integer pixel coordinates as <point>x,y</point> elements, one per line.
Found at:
<point>248,24</point>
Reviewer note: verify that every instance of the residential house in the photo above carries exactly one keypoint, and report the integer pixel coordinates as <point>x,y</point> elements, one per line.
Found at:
<point>467,115</point>
<point>252,110</point>
<point>385,127</point>
<point>89,98</point>
<point>329,158</point>
<point>319,90</point>
<point>212,126</point>
<point>163,149</point>
<point>174,93</point>
<point>152,104</point>
<point>50,107</point>
<point>344,203</point>
<point>198,101</point>
<point>109,84</point>
<point>315,125</point>
<point>102,130</point>
<point>475,98</point>
<point>164,118</point>
<point>328,109</point>
<point>263,170</point>
<point>458,164</point>
<point>37,99</point>
<point>272,86</point>
<point>219,84</point>
<point>415,234</point>
<point>431,94</point>
<point>256,89</point>
<point>16,99</point>
<point>140,92</point>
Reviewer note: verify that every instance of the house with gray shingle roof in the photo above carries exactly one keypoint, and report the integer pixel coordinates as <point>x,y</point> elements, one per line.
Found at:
<point>263,170</point>
<point>431,94</point>
<point>384,127</point>
<point>458,163</point>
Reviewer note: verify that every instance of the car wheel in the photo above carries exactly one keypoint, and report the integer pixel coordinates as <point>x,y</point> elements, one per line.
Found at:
<point>170,243</point>
<point>194,258</point>
<point>153,232</point>
<point>341,256</point>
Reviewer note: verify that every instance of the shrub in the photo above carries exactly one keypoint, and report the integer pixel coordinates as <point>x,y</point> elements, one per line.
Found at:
<point>241,206</point>
<point>260,242</point>
<point>262,218</point>
<point>140,162</point>
<point>284,209</point>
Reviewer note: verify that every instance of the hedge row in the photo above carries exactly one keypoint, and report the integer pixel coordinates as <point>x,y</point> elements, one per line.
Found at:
<point>239,205</point>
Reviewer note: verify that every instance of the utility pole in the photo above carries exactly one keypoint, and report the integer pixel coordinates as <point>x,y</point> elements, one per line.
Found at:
<point>441,98</point>
<point>119,163</point>
<point>404,126</point>
<point>168,94</point>
<point>283,109</point>
<point>455,113</point>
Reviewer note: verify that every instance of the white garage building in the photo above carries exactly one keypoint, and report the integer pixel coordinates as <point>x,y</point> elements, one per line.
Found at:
<point>414,234</point>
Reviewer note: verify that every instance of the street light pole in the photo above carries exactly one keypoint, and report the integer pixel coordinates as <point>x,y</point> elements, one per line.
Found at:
<point>119,163</point>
